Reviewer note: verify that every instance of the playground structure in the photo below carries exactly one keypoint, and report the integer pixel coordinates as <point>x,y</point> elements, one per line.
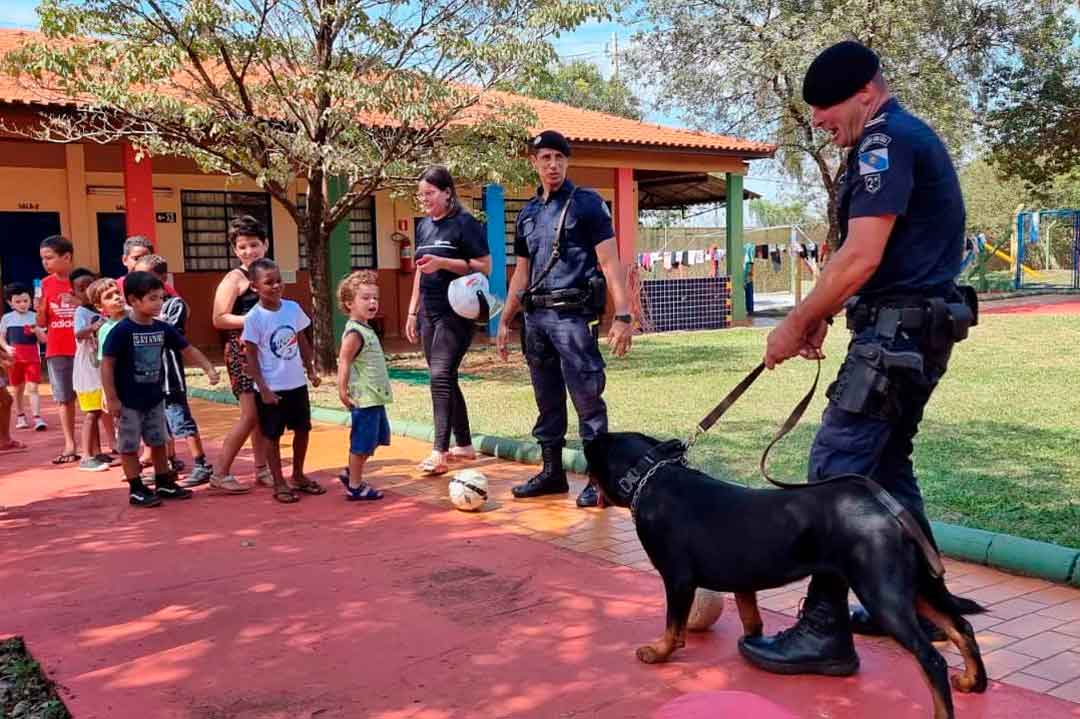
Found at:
<point>1045,249</point>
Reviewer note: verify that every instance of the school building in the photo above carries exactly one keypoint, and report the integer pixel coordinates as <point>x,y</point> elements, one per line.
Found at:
<point>99,194</point>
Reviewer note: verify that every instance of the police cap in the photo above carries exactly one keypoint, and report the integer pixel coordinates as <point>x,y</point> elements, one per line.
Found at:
<point>838,73</point>
<point>551,140</point>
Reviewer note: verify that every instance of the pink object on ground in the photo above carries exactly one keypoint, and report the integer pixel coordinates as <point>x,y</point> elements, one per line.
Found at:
<point>722,705</point>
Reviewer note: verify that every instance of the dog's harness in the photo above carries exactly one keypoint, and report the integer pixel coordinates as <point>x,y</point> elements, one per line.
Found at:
<point>670,452</point>
<point>675,452</point>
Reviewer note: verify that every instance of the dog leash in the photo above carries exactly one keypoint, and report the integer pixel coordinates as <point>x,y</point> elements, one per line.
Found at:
<point>902,515</point>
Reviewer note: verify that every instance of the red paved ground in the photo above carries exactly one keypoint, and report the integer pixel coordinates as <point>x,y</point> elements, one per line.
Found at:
<point>236,607</point>
<point>1037,305</point>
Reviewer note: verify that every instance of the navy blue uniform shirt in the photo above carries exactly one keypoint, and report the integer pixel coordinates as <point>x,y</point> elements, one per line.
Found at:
<point>900,167</point>
<point>459,236</point>
<point>588,223</point>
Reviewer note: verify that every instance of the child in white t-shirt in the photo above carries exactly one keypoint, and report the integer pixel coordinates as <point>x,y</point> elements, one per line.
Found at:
<point>86,375</point>
<point>278,357</point>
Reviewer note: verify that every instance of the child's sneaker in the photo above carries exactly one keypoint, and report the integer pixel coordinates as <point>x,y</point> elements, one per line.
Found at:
<point>264,476</point>
<point>140,496</point>
<point>227,484</point>
<point>20,422</point>
<point>200,474</point>
<point>39,425</point>
<point>93,464</point>
<point>108,458</point>
<point>176,465</point>
<point>166,487</point>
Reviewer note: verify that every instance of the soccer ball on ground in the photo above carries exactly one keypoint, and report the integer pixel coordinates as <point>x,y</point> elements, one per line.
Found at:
<point>468,490</point>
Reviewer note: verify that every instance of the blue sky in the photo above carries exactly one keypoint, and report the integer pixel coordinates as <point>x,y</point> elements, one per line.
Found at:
<point>591,41</point>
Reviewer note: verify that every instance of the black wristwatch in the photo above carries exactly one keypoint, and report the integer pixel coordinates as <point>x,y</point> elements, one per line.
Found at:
<point>628,319</point>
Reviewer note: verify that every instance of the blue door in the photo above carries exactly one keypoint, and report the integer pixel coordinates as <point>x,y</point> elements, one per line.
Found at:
<point>20,235</point>
<point>111,232</point>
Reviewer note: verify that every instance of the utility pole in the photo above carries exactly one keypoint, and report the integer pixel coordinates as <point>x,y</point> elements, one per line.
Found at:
<point>615,53</point>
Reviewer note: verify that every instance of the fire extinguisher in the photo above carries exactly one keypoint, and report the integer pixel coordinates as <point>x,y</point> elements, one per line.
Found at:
<point>405,252</point>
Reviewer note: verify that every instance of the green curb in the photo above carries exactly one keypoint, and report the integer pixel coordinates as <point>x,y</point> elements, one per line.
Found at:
<point>993,549</point>
<point>1017,554</point>
<point>965,543</point>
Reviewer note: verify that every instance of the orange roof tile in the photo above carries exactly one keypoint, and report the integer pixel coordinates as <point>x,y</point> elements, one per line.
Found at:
<point>579,126</point>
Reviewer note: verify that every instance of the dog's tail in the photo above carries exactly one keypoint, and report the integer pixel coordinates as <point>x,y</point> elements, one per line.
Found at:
<point>963,605</point>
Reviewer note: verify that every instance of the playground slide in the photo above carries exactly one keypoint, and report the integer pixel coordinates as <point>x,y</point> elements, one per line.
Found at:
<point>1035,274</point>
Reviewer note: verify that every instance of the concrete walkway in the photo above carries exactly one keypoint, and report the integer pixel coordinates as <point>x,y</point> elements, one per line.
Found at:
<point>237,607</point>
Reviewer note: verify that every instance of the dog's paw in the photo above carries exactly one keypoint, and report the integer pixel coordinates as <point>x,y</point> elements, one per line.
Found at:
<point>650,655</point>
<point>965,684</point>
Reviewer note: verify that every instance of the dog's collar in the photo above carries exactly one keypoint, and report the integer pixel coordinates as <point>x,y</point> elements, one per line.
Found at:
<point>672,451</point>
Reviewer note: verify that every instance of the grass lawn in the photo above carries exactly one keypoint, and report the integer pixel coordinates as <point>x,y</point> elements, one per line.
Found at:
<point>998,447</point>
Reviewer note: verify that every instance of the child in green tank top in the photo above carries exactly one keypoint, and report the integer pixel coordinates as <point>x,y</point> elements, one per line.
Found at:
<point>363,382</point>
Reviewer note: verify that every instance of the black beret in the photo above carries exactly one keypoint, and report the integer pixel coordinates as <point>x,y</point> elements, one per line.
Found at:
<point>838,73</point>
<point>550,139</point>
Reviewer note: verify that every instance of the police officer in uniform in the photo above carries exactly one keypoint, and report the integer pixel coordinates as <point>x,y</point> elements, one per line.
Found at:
<point>562,296</point>
<point>902,235</point>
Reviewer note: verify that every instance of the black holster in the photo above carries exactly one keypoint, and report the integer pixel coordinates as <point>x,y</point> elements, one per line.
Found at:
<point>862,387</point>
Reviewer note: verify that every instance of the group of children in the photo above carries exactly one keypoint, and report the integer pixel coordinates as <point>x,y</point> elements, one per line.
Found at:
<point>118,348</point>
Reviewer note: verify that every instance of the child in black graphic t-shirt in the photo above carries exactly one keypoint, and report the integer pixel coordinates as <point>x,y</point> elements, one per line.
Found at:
<point>131,370</point>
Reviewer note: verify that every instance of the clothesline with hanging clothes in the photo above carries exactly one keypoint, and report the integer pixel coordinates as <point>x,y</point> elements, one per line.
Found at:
<point>673,259</point>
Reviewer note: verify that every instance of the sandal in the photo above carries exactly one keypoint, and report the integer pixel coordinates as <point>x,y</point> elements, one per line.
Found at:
<point>65,458</point>
<point>365,492</point>
<point>284,494</point>
<point>308,486</point>
<point>431,468</point>
<point>17,446</point>
<point>264,476</point>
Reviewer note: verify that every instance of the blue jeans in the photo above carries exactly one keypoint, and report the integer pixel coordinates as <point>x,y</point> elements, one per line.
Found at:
<point>563,356</point>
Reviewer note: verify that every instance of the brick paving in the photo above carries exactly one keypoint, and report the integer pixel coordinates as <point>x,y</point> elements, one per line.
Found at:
<point>1030,636</point>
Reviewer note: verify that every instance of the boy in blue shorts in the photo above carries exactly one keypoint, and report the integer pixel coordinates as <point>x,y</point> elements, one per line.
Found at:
<point>363,382</point>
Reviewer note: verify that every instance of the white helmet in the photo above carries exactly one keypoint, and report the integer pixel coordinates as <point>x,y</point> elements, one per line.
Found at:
<point>471,297</point>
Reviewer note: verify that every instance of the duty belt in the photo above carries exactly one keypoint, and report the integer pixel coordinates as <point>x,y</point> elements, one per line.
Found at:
<point>909,316</point>
<point>561,299</point>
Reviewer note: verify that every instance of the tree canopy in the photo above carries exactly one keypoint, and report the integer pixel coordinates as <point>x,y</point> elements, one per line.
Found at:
<point>580,84</point>
<point>736,66</point>
<point>1033,117</point>
<point>370,91</point>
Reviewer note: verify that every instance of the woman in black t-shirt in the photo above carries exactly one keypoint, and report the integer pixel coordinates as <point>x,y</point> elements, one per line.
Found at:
<point>449,243</point>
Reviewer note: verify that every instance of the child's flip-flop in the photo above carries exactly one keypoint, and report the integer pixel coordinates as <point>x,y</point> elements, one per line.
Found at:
<point>309,486</point>
<point>15,446</point>
<point>365,492</point>
<point>67,458</point>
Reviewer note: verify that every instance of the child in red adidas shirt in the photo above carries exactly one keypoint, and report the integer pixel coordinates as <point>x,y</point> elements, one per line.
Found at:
<point>56,315</point>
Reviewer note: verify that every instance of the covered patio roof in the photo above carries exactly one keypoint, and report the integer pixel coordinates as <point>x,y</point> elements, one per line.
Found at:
<point>660,190</point>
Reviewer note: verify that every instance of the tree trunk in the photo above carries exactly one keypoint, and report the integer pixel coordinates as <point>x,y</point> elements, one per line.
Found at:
<point>322,297</point>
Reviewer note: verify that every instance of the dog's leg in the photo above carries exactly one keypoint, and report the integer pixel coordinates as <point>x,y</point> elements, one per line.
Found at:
<point>749,614</point>
<point>962,636</point>
<point>896,615</point>
<point>680,597</point>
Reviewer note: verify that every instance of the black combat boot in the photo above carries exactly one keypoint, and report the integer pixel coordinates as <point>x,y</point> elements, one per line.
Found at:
<point>549,480</point>
<point>589,496</point>
<point>819,643</point>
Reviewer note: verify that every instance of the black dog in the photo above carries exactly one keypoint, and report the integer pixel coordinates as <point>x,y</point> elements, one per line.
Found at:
<point>702,532</point>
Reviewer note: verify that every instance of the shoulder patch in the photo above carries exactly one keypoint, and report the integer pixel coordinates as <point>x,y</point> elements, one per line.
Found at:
<point>873,183</point>
<point>872,161</point>
<point>876,138</point>
<point>876,121</point>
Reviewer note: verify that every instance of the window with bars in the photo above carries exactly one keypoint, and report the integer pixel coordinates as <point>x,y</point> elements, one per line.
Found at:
<point>512,207</point>
<point>362,246</point>
<point>206,216</point>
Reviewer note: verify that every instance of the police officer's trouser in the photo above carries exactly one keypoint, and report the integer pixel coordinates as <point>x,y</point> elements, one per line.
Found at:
<point>564,356</point>
<point>878,443</point>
